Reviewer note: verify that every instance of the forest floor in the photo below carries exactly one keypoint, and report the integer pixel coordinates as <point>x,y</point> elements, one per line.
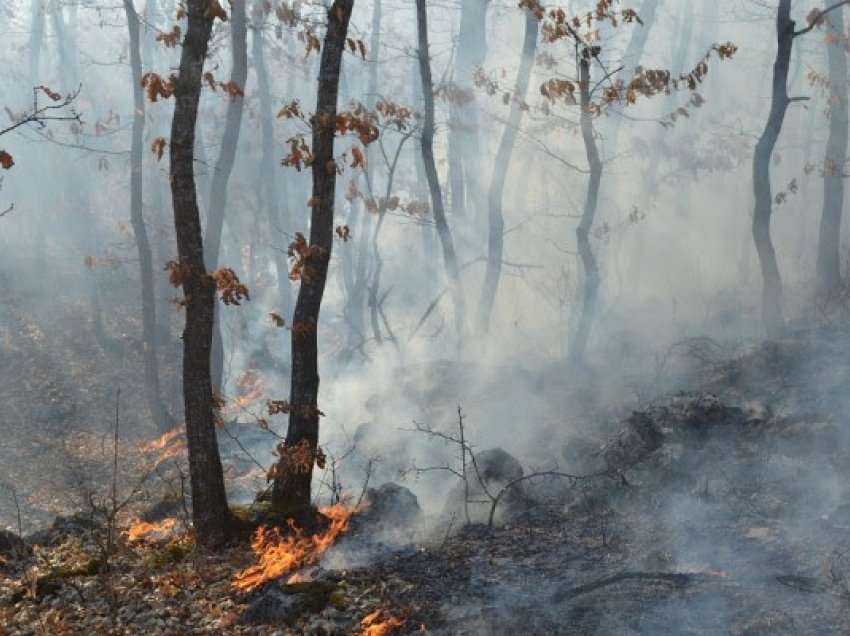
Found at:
<point>723,510</point>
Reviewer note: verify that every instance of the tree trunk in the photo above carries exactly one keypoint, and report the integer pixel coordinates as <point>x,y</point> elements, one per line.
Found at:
<point>224,166</point>
<point>359,275</point>
<point>155,405</point>
<point>772,316</point>
<point>35,40</point>
<point>291,488</point>
<point>829,241</point>
<point>278,217</point>
<point>209,501</point>
<point>471,53</point>
<point>585,250</point>
<point>427,136</point>
<point>632,58</point>
<point>495,244</point>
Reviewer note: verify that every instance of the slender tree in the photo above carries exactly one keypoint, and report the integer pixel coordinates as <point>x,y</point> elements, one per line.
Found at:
<point>35,40</point>
<point>361,223</point>
<point>772,314</point>
<point>829,241</point>
<point>277,214</point>
<point>471,53</point>
<point>291,488</point>
<point>137,221</point>
<point>588,261</point>
<point>209,501</point>
<point>427,141</point>
<point>501,166</point>
<point>632,59</point>
<point>224,163</point>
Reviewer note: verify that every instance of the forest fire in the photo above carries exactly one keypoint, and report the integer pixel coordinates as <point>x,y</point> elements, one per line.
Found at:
<point>169,445</point>
<point>278,555</point>
<point>250,388</point>
<point>379,623</point>
<point>154,531</point>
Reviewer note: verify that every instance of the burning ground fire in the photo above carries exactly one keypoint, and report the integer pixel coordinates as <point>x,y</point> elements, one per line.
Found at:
<point>250,388</point>
<point>167,446</point>
<point>379,623</point>
<point>278,555</point>
<point>156,531</point>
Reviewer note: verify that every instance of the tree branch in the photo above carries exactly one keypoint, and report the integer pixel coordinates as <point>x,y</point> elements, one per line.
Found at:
<point>820,16</point>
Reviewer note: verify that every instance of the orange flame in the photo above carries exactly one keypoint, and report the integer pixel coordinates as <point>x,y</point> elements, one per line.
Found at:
<point>156,531</point>
<point>379,623</point>
<point>162,441</point>
<point>168,445</point>
<point>249,387</point>
<point>278,555</point>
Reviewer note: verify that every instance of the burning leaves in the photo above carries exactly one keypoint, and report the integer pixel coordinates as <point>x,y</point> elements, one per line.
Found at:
<point>167,446</point>
<point>379,623</point>
<point>152,532</point>
<point>280,553</point>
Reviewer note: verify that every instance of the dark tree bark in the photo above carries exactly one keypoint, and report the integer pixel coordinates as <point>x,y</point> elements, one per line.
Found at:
<point>291,488</point>
<point>501,166</point>
<point>277,215</point>
<point>772,315</point>
<point>209,501</point>
<point>140,233</point>
<point>829,240</point>
<point>585,250</point>
<point>224,166</point>
<point>443,230</point>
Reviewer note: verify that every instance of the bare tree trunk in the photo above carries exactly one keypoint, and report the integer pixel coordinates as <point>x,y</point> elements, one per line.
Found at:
<point>501,167</point>
<point>224,166</point>
<point>278,217</point>
<point>771,280</point>
<point>472,51</point>
<point>829,241</point>
<point>632,59</point>
<point>291,488</point>
<point>36,39</point>
<point>443,230</point>
<point>585,250</point>
<point>364,248</point>
<point>209,501</point>
<point>155,405</point>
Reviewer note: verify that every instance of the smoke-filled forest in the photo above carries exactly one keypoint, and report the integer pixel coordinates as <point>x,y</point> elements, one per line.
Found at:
<point>384,317</point>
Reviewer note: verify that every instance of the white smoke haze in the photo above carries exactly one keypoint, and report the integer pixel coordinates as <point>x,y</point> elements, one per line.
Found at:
<point>679,305</point>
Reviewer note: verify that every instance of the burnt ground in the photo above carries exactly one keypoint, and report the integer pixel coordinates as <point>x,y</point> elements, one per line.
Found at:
<point>720,510</point>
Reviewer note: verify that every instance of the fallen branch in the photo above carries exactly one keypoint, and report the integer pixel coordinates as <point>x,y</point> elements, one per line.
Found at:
<point>676,578</point>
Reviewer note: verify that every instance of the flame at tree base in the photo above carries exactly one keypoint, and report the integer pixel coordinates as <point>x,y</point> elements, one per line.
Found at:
<point>279,554</point>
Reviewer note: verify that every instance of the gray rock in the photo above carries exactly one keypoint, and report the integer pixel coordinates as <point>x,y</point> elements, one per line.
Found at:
<point>391,506</point>
<point>272,606</point>
<point>497,466</point>
<point>496,469</point>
